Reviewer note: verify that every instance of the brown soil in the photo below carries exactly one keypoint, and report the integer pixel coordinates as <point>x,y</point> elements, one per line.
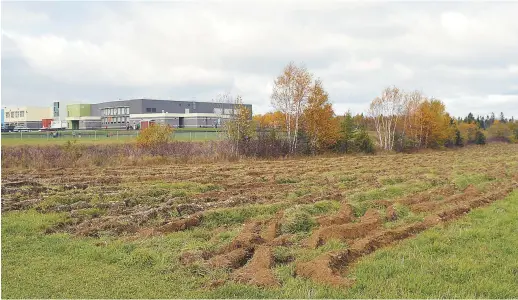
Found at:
<point>258,270</point>
<point>344,215</point>
<point>469,192</point>
<point>247,238</point>
<point>272,228</point>
<point>233,259</point>
<point>327,267</point>
<point>391,214</point>
<point>370,221</point>
<point>320,270</point>
<point>181,224</point>
<point>118,225</point>
<point>117,204</point>
<point>282,240</point>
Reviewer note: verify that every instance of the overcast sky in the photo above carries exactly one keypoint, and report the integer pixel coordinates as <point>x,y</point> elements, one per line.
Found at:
<point>465,54</point>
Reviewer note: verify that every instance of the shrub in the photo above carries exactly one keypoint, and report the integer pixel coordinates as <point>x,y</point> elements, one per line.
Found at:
<point>154,136</point>
<point>480,138</point>
<point>500,132</point>
<point>362,141</point>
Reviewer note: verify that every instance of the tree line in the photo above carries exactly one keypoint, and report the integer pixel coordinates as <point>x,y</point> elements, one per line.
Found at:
<point>397,120</point>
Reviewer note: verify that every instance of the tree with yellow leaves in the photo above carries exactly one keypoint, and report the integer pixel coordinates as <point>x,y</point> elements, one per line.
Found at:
<point>290,96</point>
<point>468,132</point>
<point>437,129</point>
<point>319,123</point>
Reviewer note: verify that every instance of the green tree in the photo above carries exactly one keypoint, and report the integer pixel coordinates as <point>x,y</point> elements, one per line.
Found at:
<point>480,138</point>
<point>347,127</point>
<point>362,142</point>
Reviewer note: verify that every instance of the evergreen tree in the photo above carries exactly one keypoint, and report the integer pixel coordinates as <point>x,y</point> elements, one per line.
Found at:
<point>362,141</point>
<point>502,118</point>
<point>480,138</point>
<point>470,118</point>
<point>347,128</point>
<point>458,139</point>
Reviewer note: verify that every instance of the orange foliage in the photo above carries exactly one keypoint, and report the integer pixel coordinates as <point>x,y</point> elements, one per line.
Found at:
<point>275,120</point>
<point>319,123</point>
<point>467,131</point>
<point>436,123</point>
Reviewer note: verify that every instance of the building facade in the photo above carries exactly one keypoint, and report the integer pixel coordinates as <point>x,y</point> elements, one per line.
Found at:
<point>59,115</point>
<point>188,114</point>
<point>79,116</point>
<point>26,116</point>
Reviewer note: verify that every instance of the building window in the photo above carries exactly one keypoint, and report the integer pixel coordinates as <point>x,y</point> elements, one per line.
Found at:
<point>148,109</point>
<point>127,110</point>
<point>153,109</point>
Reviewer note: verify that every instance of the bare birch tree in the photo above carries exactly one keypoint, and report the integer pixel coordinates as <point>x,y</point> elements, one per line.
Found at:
<point>386,111</point>
<point>290,95</point>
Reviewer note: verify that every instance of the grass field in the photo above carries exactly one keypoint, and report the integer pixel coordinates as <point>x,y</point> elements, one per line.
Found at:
<point>100,137</point>
<point>355,226</point>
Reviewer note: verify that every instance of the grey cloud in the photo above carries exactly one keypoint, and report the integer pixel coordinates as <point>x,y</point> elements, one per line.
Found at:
<point>357,49</point>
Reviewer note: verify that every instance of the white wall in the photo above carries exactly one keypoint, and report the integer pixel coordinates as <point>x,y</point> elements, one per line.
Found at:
<point>26,113</point>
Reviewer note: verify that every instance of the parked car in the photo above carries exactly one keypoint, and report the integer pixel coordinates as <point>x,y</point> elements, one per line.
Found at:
<point>21,129</point>
<point>7,128</point>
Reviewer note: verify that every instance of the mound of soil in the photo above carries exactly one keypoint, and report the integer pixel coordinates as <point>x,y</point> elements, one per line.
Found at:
<point>469,192</point>
<point>368,222</point>
<point>233,259</point>
<point>321,270</point>
<point>247,238</point>
<point>344,215</point>
<point>272,228</point>
<point>327,267</point>
<point>258,270</point>
<point>182,224</point>
<point>117,225</point>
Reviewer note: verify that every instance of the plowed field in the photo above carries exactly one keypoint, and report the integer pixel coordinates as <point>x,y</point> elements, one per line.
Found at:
<point>254,220</point>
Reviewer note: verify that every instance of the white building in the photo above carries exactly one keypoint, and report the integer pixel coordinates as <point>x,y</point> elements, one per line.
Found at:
<point>59,115</point>
<point>26,116</point>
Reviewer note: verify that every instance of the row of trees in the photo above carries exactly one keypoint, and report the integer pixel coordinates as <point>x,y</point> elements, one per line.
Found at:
<point>304,113</point>
<point>398,120</point>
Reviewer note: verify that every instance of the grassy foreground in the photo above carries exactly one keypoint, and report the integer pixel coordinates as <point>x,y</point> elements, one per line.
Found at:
<point>474,257</point>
